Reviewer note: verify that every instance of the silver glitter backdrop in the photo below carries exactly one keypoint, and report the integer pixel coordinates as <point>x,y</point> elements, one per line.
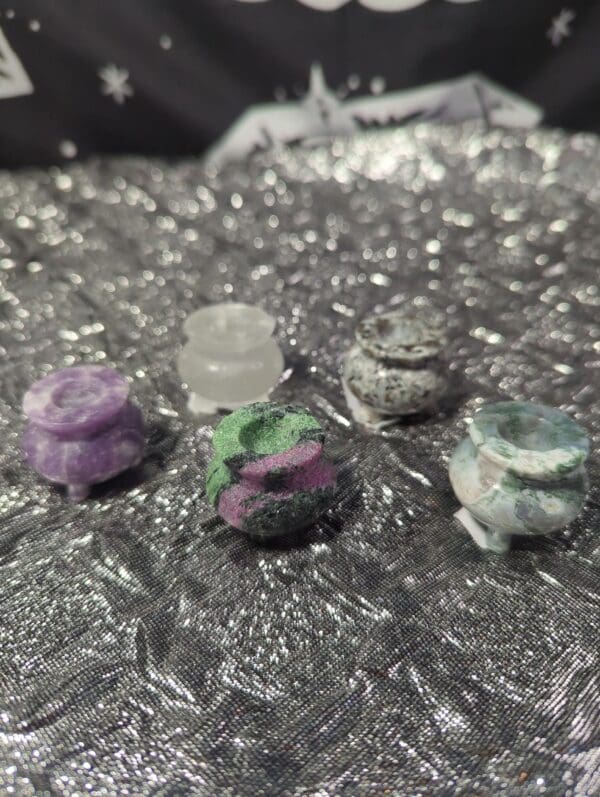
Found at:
<point>146,648</point>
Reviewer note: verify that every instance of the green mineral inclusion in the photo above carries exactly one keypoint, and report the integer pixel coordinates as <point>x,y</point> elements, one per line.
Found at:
<point>218,478</point>
<point>520,471</point>
<point>257,430</point>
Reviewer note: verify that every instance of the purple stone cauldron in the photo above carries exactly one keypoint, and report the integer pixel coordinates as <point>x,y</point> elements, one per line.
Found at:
<point>82,428</point>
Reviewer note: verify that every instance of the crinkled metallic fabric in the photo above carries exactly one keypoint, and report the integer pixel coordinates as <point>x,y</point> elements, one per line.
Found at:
<point>148,649</point>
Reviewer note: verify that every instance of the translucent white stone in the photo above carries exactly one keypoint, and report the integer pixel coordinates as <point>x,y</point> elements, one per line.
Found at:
<point>230,358</point>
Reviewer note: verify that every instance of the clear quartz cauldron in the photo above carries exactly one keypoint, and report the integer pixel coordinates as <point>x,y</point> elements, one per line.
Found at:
<point>230,359</point>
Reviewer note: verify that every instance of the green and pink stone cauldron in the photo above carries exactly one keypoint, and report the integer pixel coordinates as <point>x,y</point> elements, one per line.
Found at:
<point>82,427</point>
<point>269,475</point>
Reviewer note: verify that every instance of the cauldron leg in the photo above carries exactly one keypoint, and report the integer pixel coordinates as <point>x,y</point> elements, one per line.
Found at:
<point>487,539</point>
<point>78,492</point>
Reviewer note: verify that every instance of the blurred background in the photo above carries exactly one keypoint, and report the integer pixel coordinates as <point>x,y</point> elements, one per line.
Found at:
<point>226,77</point>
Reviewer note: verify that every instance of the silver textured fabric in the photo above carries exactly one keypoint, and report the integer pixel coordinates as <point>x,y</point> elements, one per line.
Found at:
<point>146,648</point>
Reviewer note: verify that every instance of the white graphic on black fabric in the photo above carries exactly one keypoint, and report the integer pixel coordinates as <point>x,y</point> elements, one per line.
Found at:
<point>374,5</point>
<point>114,83</point>
<point>321,113</point>
<point>561,26</point>
<point>14,80</point>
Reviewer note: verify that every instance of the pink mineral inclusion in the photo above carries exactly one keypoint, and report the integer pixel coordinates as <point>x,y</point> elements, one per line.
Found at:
<point>303,467</point>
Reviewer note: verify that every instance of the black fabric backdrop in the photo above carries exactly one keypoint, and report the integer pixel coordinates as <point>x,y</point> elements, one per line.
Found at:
<point>194,65</point>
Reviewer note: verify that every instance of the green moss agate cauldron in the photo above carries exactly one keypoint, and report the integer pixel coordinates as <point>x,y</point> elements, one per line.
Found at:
<point>520,471</point>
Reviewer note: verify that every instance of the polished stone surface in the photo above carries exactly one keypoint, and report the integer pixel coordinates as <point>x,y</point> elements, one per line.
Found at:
<point>230,359</point>
<point>521,470</point>
<point>82,429</point>
<point>395,367</point>
<point>400,337</point>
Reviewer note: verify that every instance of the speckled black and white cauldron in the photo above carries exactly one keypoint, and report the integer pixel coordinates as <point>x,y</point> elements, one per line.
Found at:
<point>519,472</point>
<point>395,367</point>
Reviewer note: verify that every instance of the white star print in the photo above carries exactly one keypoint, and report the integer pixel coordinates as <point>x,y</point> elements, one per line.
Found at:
<point>114,83</point>
<point>560,27</point>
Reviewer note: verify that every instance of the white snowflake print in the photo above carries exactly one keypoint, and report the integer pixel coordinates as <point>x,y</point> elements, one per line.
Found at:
<point>114,83</point>
<point>561,26</point>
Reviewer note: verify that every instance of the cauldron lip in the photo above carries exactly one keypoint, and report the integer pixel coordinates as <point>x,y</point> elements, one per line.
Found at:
<point>76,401</point>
<point>422,336</point>
<point>566,451</point>
<point>211,329</point>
